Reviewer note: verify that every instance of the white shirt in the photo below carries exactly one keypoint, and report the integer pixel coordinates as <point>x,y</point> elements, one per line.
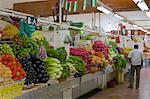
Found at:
<point>136,57</point>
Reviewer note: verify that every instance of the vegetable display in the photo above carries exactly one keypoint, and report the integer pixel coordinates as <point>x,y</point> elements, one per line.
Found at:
<point>40,69</point>
<point>73,70</point>
<point>79,64</point>
<point>84,54</point>
<point>35,69</point>
<point>53,67</point>
<point>112,52</point>
<point>66,72</point>
<point>59,53</point>
<point>120,62</point>
<point>31,74</point>
<point>24,47</point>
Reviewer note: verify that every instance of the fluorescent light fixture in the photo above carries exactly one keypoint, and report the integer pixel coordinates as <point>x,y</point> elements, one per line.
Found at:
<point>142,5</point>
<point>104,10</point>
<point>148,13</point>
<point>136,1</point>
<point>135,26</point>
<point>118,16</point>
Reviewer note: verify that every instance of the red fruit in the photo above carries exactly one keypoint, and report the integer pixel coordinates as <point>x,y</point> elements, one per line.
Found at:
<point>15,78</point>
<point>18,73</point>
<point>18,68</point>
<point>23,73</point>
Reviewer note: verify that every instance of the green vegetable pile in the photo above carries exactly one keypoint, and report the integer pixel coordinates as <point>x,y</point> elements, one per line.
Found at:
<point>59,53</point>
<point>120,62</point>
<point>73,70</point>
<point>5,48</point>
<point>25,46</point>
<point>53,67</point>
<point>80,65</point>
<point>66,72</point>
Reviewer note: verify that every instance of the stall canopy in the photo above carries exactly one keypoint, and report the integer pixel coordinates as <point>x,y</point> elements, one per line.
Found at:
<point>44,7</point>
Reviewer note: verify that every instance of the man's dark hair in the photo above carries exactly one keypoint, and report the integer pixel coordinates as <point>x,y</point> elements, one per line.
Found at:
<point>136,46</point>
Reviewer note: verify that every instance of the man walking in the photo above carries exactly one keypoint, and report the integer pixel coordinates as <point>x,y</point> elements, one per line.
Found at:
<point>136,60</point>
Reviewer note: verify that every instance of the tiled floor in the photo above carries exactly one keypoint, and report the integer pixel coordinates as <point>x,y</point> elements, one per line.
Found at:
<point>122,92</point>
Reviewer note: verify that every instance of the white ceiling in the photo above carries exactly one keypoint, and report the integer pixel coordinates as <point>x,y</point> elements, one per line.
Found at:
<point>138,17</point>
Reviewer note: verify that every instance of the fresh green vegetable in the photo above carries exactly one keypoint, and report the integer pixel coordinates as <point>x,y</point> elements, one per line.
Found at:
<point>120,63</point>
<point>59,53</point>
<point>66,70</point>
<point>73,70</point>
<point>5,48</point>
<point>53,67</point>
<point>80,65</point>
<point>24,46</point>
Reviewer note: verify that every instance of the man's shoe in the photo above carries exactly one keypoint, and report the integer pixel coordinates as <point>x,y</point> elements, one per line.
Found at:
<point>130,87</point>
<point>137,87</point>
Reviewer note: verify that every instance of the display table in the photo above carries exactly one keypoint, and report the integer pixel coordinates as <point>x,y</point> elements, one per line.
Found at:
<point>72,88</point>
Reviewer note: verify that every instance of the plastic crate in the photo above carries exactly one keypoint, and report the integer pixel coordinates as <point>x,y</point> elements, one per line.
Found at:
<point>11,91</point>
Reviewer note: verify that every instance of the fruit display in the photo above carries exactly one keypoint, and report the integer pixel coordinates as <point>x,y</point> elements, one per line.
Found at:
<point>5,75</point>
<point>99,46</point>
<point>53,68</point>
<point>84,54</point>
<point>18,72</point>
<point>5,48</point>
<point>10,31</point>
<point>99,54</point>
<point>79,64</point>
<point>98,63</point>
<point>59,53</point>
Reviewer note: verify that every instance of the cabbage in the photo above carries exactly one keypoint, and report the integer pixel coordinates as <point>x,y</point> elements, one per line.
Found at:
<point>52,60</point>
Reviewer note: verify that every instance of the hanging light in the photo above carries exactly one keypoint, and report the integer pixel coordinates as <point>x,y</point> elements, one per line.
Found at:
<point>104,10</point>
<point>135,26</point>
<point>143,6</point>
<point>148,13</point>
<point>118,16</point>
<point>136,1</point>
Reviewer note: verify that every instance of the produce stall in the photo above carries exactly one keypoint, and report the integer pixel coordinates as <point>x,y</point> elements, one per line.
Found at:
<point>40,68</point>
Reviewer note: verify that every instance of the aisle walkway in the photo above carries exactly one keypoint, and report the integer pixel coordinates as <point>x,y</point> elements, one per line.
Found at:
<point>122,92</point>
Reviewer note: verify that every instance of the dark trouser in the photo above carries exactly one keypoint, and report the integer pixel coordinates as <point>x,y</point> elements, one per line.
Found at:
<point>131,80</point>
